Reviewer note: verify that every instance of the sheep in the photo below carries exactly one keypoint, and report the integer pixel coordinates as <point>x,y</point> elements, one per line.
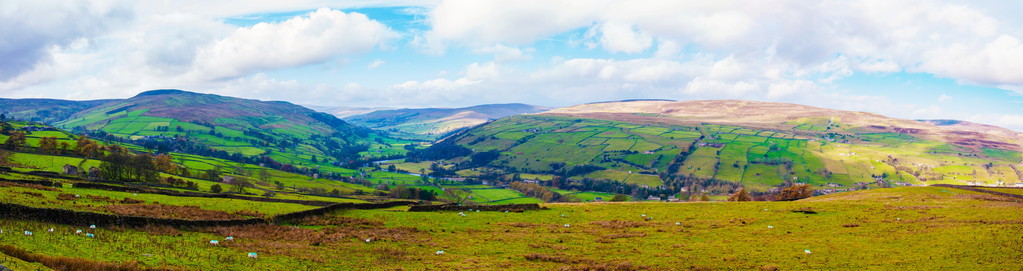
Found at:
<point>51,230</point>
<point>214,242</point>
<point>93,227</point>
<point>566,225</point>
<point>643,215</point>
<point>461,213</point>
<point>898,219</point>
<point>807,251</point>
<point>1,231</point>
<point>252,255</point>
<point>78,232</point>
<point>770,227</point>
<point>28,233</point>
<point>229,238</point>
<point>439,252</point>
<point>562,215</point>
<point>369,239</point>
<point>90,235</point>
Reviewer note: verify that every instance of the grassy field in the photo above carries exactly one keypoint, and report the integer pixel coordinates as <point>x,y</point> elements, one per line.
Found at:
<point>104,201</point>
<point>906,228</point>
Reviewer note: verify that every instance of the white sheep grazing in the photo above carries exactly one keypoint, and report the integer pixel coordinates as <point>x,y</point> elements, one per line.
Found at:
<point>440,252</point>
<point>898,219</point>
<point>678,223</point>
<point>566,225</point>
<point>770,227</point>
<point>78,232</point>
<point>807,251</point>
<point>369,239</point>
<point>90,235</point>
<point>643,215</point>
<point>28,233</point>
<point>252,255</point>
<point>51,230</point>
<point>229,238</point>
<point>214,242</point>
<point>1,231</point>
<point>92,227</point>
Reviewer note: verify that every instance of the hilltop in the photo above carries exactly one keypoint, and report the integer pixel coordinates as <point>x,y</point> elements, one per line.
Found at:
<point>431,123</point>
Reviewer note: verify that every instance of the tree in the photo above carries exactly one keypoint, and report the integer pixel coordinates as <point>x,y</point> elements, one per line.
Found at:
<point>16,140</point>
<point>620,197</point>
<point>5,128</point>
<point>239,185</point>
<point>704,198</point>
<point>796,191</point>
<point>742,195</point>
<point>48,144</point>
<point>215,188</point>
<point>164,162</point>
<point>213,175</point>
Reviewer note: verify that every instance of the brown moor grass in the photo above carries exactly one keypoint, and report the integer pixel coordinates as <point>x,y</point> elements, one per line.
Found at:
<point>168,211</point>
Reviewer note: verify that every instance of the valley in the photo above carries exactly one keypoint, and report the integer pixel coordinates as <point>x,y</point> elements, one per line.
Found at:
<point>628,185</point>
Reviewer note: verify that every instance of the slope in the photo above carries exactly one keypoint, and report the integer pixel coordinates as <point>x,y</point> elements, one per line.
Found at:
<point>44,110</point>
<point>431,123</point>
<point>757,144</point>
<point>281,134</point>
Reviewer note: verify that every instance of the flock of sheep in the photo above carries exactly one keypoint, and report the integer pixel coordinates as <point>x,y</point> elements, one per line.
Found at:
<point>251,255</point>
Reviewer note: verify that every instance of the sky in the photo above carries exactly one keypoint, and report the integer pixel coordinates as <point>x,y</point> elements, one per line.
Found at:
<point>914,59</point>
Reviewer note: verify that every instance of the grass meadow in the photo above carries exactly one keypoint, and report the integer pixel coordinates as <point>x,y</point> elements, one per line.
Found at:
<point>904,228</point>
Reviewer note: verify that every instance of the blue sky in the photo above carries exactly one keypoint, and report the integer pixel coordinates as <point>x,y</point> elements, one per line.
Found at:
<point>916,59</point>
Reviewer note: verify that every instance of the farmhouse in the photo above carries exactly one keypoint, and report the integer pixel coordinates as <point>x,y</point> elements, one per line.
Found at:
<point>70,170</point>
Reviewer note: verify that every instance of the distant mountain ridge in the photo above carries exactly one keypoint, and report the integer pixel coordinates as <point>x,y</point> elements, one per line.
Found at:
<point>430,123</point>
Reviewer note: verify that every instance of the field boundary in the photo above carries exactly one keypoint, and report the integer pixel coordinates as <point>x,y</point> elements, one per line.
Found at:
<point>72,217</point>
<point>195,194</point>
<point>455,207</point>
<point>979,189</point>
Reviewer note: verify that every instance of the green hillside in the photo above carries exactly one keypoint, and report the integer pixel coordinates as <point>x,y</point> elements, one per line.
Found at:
<point>277,134</point>
<point>44,110</point>
<point>650,149</point>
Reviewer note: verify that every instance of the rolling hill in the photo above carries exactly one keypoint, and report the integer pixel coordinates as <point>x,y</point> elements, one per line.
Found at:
<point>44,110</point>
<point>432,123</point>
<point>231,128</point>
<point>759,145</point>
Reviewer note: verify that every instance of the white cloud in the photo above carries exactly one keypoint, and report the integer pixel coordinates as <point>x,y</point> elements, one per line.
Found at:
<point>503,53</point>
<point>375,64</point>
<point>34,30</point>
<point>624,38</point>
<point>873,36</point>
<point>315,38</point>
<point>944,98</point>
<point>996,62</point>
<point>513,22</point>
